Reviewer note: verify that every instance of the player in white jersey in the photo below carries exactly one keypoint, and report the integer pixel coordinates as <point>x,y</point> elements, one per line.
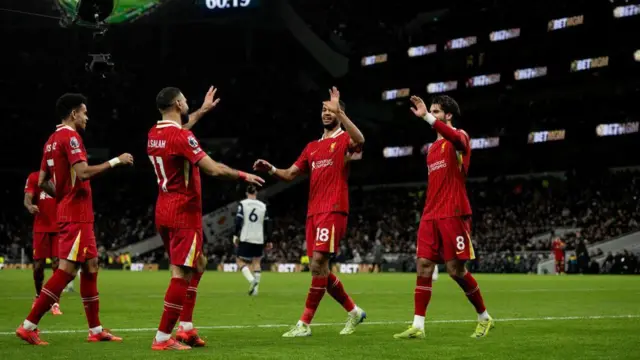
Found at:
<point>252,222</point>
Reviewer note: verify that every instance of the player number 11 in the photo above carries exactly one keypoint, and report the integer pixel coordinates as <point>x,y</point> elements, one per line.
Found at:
<point>161,175</point>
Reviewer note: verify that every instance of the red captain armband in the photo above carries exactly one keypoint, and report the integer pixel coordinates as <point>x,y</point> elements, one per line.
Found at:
<point>242,175</point>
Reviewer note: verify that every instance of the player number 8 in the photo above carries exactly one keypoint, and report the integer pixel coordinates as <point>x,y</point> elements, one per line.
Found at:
<point>460,242</point>
<point>322,234</point>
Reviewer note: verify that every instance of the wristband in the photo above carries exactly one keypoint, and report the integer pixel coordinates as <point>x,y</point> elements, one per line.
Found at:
<point>242,175</point>
<point>273,170</point>
<point>113,162</point>
<point>429,118</point>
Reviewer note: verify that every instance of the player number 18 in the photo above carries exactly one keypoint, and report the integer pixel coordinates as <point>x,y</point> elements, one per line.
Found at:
<point>322,234</point>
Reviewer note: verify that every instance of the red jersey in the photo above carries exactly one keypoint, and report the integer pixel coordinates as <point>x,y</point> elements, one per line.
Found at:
<point>327,160</point>
<point>558,247</point>
<point>174,152</point>
<point>44,220</point>
<point>447,164</point>
<point>73,196</point>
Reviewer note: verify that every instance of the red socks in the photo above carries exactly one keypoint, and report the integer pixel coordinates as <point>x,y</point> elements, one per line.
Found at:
<point>472,290</point>
<point>51,294</point>
<point>336,290</point>
<point>422,295</point>
<point>173,300</point>
<point>316,292</point>
<point>190,299</point>
<point>38,279</point>
<point>559,267</point>
<point>90,299</point>
<point>320,284</point>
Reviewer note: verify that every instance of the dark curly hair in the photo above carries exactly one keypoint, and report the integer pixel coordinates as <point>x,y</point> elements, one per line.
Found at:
<point>448,106</point>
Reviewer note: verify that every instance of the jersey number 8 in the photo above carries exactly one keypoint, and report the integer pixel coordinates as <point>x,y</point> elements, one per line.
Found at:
<point>460,243</point>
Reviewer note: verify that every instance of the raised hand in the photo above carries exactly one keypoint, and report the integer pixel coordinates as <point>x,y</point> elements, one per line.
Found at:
<point>333,104</point>
<point>209,100</point>
<point>419,109</point>
<point>262,165</point>
<point>126,159</point>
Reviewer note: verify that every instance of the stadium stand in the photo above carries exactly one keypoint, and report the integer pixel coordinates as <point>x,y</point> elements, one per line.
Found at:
<point>263,116</point>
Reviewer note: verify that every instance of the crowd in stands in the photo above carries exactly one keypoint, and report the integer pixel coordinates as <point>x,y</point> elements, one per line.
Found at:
<point>508,213</point>
<point>121,106</point>
<point>122,216</point>
<point>256,106</point>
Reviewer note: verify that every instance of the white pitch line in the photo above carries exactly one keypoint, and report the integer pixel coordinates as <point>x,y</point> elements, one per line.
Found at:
<point>546,318</point>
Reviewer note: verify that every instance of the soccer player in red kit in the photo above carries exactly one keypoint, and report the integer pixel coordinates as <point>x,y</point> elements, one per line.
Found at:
<point>327,161</point>
<point>445,226</point>
<point>65,174</point>
<point>558,252</point>
<point>177,160</point>
<point>45,232</point>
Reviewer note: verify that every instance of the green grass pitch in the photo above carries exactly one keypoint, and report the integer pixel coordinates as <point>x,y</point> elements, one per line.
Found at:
<point>538,317</point>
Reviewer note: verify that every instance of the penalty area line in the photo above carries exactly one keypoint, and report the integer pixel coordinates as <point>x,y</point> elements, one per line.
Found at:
<point>214,327</point>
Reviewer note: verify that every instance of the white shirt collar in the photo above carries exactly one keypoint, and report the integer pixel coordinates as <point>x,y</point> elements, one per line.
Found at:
<point>63,126</point>
<point>334,135</point>
<point>167,123</point>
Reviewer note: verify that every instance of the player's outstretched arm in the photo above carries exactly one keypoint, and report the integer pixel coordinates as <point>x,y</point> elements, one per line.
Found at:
<point>284,174</point>
<point>357,139</point>
<point>214,168</point>
<point>46,184</point>
<point>207,105</point>
<point>333,105</point>
<point>459,138</point>
<point>85,171</point>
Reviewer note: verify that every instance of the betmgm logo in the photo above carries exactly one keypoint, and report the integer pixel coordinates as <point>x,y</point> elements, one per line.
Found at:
<point>230,267</point>
<point>349,268</point>
<point>286,268</point>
